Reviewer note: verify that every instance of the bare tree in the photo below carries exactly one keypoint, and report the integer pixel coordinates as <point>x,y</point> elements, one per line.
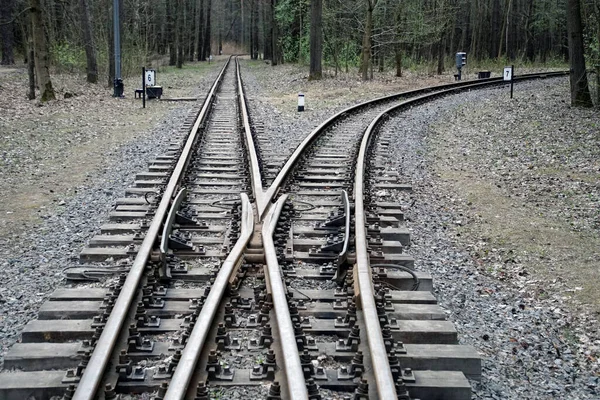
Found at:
<point>207,32</point>
<point>179,32</point>
<point>42,58</point>
<point>580,92</point>
<point>316,39</point>
<point>277,55</point>
<point>88,38</point>
<point>200,33</point>
<point>6,32</point>
<point>198,28</point>
<point>366,44</point>
<point>30,62</point>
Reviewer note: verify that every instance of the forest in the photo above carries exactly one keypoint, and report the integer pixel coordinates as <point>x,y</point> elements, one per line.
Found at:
<point>365,37</point>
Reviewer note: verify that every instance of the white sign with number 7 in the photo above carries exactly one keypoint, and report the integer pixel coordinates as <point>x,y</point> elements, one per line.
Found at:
<point>508,73</point>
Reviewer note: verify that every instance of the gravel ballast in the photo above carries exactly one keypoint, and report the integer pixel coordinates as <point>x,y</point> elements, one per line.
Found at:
<point>533,347</point>
<point>33,262</point>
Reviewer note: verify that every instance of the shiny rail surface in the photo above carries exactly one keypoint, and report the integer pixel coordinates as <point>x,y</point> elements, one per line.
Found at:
<point>90,381</point>
<point>293,369</point>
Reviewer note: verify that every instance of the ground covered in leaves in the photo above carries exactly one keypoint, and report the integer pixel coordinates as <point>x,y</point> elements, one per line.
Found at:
<point>47,149</point>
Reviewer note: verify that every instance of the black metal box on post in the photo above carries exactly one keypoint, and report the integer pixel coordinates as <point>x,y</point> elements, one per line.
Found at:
<point>153,92</point>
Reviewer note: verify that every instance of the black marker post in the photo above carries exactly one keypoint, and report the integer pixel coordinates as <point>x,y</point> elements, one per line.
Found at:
<point>143,87</point>
<point>512,80</point>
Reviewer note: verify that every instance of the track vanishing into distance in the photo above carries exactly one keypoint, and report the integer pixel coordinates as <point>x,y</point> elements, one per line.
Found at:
<point>208,282</point>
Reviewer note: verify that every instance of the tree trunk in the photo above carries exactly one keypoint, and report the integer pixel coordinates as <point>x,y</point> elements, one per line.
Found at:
<point>529,49</point>
<point>440,55</point>
<point>580,92</point>
<point>398,61</point>
<point>255,46</point>
<point>88,39</point>
<point>496,17</point>
<point>42,58</point>
<point>398,45</point>
<point>7,32</point>
<point>190,32</point>
<point>207,34</point>
<point>172,29</point>
<point>366,44</point>
<point>200,47</point>
<point>198,29</point>
<point>179,33</point>
<point>316,39</point>
<point>251,44</point>
<point>30,64</point>
<point>268,32</point>
<point>275,35</point>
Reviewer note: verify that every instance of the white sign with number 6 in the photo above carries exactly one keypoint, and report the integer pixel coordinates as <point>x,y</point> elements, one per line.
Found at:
<point>508,73</point>
<point>149,78</point>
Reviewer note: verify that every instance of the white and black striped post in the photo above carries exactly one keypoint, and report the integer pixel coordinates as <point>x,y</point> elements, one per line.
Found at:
<point>300,102</point>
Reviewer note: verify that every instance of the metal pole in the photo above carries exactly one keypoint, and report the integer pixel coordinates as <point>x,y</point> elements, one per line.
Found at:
<point>143,87</point>
<point>117,34</point>
<point>512,80</point>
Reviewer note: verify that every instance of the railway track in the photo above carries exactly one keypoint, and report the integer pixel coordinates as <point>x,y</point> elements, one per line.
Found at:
<point>209,282</point>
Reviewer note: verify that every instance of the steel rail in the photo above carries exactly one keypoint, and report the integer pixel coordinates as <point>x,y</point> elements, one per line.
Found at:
<point>257,187</point>
<point>384,379</point>
<point>168,226</point>
<point>291,358</point>
<point>191,353</point>
<point>92,376</point>
<point>293,159</point>
<point>189,358</point>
